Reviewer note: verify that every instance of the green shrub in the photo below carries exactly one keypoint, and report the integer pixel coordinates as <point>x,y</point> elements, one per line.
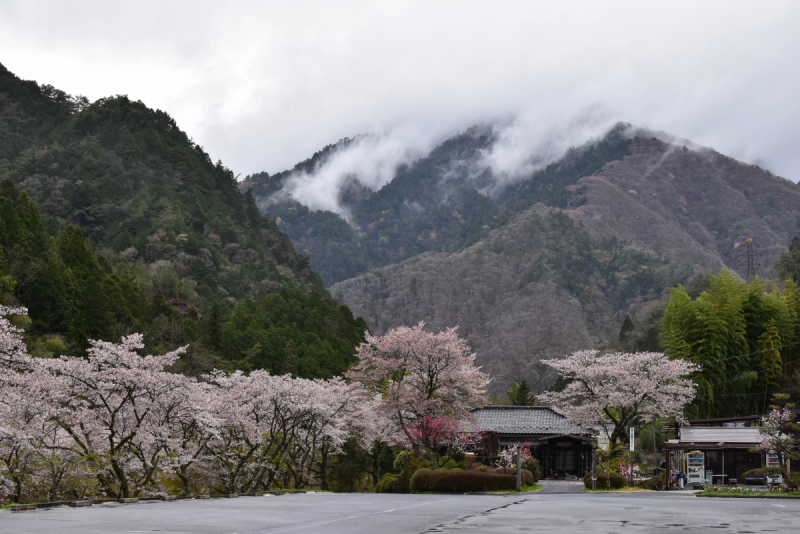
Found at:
<point>386,484</point>
<point>403,482</point>
<point>766,471</point>
<point>533,465</point>
<point>527,476</point>
<point>452,464</point>
<point>617,481</point>
<point>458,456</point>
<point>482,469</point>
<point>55,345</point>
<point>461,481</point>
<point>403,460</point>
<point>650,483</point>
<point>792,481</point>
<point>602,481</point>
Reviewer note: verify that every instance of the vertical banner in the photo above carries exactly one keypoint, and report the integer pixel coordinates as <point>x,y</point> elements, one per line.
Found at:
<point>631,472</point>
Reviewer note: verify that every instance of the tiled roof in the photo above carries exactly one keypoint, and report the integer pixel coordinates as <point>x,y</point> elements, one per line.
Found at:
<point>691,434</point>
<point>525,420</point>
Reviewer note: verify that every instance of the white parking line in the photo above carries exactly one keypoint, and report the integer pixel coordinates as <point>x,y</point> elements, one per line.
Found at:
<point>360,515</point>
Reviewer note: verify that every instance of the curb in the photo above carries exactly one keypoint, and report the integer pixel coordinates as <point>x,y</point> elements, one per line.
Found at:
<point>133,500</point>
<point>781,497</point>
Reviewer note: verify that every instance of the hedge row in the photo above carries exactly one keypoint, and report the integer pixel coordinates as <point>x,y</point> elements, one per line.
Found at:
<point>460,481</point>
<point>527,477</point>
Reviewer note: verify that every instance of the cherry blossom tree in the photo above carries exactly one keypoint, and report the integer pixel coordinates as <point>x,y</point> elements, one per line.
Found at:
<point>780,431</point>
<point>419,375</point>
<point>120,422</point>
<point>24,408</point>
<point>273,427</point>
<point>620,387</point>
<point>20,420</point>
<point>192,433</point>
<point>508,457</point>
<point>13,352</point>
<point>117,407</point>
<point>450,432</point>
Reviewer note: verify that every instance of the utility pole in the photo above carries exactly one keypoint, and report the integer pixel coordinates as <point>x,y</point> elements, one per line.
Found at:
<point>594,465</point>
<point>655,454</point>
<point>748,257</point>
<point>519,468</point>
<point>751,268</point>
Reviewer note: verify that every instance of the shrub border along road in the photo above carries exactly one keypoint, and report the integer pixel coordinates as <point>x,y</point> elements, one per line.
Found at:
<point>531,489</point>
<point>746,496</point>
<point>626,489</point>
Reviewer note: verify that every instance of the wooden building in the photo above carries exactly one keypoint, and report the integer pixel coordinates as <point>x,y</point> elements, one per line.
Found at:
<point>564,449</point>
<point>725,445</point>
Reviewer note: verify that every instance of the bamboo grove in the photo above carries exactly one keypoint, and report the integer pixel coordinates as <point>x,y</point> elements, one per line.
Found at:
<point>745,338</point>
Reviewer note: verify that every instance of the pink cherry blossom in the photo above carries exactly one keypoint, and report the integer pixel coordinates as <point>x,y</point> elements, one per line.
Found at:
<point>419,375</point>
<point>620,387</point>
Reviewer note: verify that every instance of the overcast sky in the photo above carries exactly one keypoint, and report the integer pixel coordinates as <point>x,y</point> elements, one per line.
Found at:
<point>262,85</point>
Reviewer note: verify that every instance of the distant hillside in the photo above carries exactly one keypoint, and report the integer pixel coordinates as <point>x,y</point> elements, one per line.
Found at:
<point>115,221</point>
<point>134,182</point>
<point>551,263</point>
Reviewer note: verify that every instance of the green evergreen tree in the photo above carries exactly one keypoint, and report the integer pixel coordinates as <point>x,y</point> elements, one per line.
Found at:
<point>214,328</point>
<point>787,266</point>
<point>625,329</point>
<point>519,394</point>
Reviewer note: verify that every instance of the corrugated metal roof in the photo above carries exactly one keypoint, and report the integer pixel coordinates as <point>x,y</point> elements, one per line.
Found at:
<point>526,420</point>
<point>711,434</point>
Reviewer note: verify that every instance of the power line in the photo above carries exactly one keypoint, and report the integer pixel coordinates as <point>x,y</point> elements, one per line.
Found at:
<point>750,354</point>
<point>756,372</point>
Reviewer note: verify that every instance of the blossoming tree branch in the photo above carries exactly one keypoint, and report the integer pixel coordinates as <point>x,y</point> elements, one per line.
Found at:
<point>622,388</point>
<point>421,378</point>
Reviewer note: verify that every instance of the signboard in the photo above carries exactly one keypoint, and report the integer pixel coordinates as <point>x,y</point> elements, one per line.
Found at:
<point>631,439</point>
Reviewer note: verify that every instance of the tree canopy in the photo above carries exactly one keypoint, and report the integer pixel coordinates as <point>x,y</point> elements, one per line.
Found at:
<point>743,337</point>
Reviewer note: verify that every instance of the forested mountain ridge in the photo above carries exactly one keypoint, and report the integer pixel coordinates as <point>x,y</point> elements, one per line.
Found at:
<point>134,182</point>
<point>554,262</point>
<point>114,221</point>
<point>445,201</point>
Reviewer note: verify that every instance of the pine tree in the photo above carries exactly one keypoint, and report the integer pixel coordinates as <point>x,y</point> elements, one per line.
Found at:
<point>520,394</point>
<point>214,329</point>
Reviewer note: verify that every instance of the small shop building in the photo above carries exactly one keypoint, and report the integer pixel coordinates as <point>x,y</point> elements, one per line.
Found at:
<point>563,449</point>
<point>716,450</point>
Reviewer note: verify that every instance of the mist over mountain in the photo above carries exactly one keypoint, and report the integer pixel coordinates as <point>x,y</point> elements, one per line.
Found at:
<point>533,260</point>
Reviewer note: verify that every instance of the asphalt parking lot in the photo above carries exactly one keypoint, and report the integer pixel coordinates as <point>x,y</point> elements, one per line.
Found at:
<point>386,513</point>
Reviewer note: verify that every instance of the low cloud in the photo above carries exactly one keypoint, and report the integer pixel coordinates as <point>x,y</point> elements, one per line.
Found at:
<point>372,160</point>
<point>264,85</point>
<point>532,141</point>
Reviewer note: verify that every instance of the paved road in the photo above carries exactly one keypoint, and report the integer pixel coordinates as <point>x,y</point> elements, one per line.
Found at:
<point>384,513</point>
<point>633,512</point>
<point>321,513</point>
